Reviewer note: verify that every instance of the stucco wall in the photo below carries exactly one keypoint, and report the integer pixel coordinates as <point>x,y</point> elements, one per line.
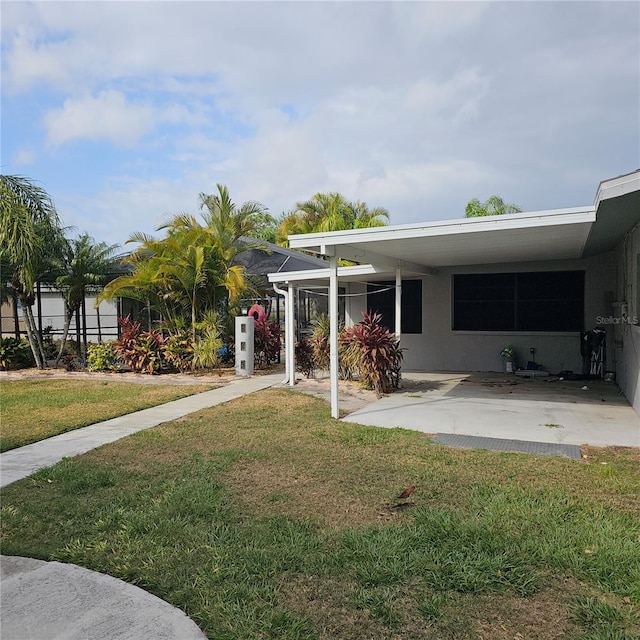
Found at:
<point>439,348</point>
<point>626,328</point>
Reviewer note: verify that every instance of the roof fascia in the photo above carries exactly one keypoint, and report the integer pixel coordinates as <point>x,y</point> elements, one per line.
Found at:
<point>615,187</point>
<point>557,217</point>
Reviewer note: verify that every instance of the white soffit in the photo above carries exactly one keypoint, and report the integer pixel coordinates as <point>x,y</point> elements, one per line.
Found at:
<point>559,234</point>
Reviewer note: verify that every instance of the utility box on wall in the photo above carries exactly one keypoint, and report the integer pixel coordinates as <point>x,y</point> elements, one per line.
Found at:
<point>244,345</point>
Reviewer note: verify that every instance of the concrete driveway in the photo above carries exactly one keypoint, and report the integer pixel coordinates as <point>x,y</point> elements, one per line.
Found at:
<point>492,405</point>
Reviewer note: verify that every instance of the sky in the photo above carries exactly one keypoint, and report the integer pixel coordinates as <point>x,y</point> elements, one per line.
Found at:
<point>126,111</point>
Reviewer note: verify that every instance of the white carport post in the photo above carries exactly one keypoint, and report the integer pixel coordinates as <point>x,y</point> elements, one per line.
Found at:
<point>290,334</point>
<point>333,334</point>
<point>398,301</point>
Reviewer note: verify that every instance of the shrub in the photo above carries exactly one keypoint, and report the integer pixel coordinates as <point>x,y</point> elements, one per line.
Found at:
<point>179,351</point>
<point>267,342</point>
<point>304,357</point>
<point>375,352</point>
<point>15,354</point>
<point>320,342</point>
<point>102,357</point>
<point>206,350</point>
<point>142,351</point>
<point>49,346</point>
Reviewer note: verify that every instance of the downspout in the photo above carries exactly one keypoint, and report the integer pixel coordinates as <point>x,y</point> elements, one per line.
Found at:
<point>287,373</point>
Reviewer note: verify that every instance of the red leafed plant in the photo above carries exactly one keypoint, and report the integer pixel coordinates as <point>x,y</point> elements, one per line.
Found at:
<point>374,352</point>
<point>266,341</point>
<point>142,351</point>
<point>304,357</point>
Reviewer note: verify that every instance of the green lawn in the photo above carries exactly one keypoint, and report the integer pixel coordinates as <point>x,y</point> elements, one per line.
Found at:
<point>265,518</point>
<point>33,410</point>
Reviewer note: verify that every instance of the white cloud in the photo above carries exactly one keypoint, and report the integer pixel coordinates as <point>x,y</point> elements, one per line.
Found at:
<point>24,156</point>
<point>105,117</point>
<point>416,106</point>
<point>110,116</point>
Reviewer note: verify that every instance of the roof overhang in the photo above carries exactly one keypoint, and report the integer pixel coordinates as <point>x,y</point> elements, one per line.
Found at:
<point>617,204</point>
<point>424,248</point>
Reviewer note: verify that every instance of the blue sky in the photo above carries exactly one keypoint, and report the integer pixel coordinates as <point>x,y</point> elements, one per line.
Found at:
<point>126,111</point>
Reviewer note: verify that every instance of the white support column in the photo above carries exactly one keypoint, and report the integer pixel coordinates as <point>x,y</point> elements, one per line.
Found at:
<point>333,335</point>
<point>290,330</point>
<point>398,301</point>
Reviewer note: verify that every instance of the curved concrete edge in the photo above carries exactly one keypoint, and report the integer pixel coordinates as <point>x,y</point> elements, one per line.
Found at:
<point>55,601</point>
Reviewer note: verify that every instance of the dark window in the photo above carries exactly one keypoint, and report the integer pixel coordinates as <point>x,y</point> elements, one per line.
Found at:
<point>381,297</point>
<point>532,301</point>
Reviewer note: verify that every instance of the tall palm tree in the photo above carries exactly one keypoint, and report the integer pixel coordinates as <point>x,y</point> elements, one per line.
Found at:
<point>227,221</point>
<point>30,235</point>
<point>84,266</point>
<point>493,206</point>
<point>330,212</point>
<point>191,271</point>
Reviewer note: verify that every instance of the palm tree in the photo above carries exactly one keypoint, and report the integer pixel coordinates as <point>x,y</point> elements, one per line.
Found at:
<point>494,206</point>
<point>330,212</point>
<point>191,271</point>
<point>84,266</point>
<point>30,235</point>
<point>227,221</point>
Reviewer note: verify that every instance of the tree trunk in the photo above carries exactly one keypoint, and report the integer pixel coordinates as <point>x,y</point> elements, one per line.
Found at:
<point>31,337</point>
<point>38,336</point>
<point>78,355</point>
<point>98,321</point>
<point>84,327</point>
<point>16,319</point>
<point>39,299</point>
<point>67,323</point>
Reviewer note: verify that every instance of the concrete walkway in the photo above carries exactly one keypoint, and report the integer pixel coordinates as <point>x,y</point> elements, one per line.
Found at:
<point>54,601</point>
<point>22,462</point>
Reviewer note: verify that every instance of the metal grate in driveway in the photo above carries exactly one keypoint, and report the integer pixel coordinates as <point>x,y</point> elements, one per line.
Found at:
<point>520,446</point>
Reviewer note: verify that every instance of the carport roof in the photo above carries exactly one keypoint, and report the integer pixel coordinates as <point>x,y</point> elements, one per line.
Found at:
<point>423,248</point>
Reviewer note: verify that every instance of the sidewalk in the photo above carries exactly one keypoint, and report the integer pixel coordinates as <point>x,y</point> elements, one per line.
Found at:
<point>22,462</point>
<point>54,601</point>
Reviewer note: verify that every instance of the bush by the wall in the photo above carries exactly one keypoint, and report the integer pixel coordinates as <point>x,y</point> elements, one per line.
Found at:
<point>142,351</point>
<point>102,357</point>
<point>304,357</point>
<point>15,354</point>
<point>320,342</point>
<point>206,350</point>
<point>178,350</point>
<point>267,343</point>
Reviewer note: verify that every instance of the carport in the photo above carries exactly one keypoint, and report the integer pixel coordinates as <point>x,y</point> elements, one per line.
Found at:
<point>599,243</point>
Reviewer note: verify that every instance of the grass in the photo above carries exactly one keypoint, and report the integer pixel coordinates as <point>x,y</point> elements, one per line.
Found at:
<point>33,410</point>
<point>265,518</point>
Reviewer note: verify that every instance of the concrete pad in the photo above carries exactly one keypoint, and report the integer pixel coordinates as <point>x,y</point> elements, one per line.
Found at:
<point>55,601</point>
<point>505,406</point>
<point>22,462</point>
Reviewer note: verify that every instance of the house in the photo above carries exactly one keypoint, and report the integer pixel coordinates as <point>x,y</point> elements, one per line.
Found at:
<point>561,286</point>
